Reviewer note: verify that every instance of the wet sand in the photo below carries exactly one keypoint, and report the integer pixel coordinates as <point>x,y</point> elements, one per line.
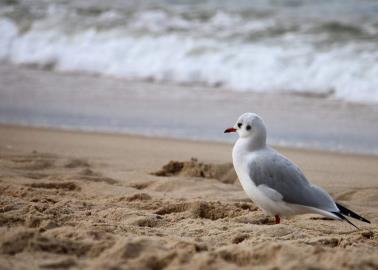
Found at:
<point>95,103</point>
<point>74,200</point>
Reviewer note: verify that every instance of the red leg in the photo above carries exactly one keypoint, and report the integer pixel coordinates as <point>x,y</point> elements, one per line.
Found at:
<point>277,219</point>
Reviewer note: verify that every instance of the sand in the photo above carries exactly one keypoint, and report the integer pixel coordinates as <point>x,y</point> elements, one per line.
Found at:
<point>72,200</point>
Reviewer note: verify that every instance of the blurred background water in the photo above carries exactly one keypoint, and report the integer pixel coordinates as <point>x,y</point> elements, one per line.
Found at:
<point>311,52</point>
<point>326,47</point>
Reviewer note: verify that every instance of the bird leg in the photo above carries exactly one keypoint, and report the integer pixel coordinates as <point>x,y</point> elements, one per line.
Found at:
<point>277,219</point>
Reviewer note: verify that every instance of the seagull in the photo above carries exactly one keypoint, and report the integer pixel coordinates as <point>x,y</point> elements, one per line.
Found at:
<point>273,182</point>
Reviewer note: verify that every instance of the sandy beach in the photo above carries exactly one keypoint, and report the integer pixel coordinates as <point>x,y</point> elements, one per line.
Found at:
<point>75,200</point>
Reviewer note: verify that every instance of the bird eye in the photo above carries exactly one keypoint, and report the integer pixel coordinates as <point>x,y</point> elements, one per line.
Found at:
<point>248,127</point>
<point>240,125</point>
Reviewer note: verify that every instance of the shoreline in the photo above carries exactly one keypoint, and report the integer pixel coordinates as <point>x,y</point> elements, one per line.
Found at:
<point>107,104</point>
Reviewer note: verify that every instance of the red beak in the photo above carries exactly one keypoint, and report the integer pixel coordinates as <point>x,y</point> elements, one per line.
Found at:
<point>229,130</point>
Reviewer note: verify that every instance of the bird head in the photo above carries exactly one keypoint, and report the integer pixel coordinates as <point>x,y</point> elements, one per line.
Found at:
<point>250,126</point>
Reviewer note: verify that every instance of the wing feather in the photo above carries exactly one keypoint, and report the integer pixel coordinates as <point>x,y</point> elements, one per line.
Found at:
<point>280,174</point>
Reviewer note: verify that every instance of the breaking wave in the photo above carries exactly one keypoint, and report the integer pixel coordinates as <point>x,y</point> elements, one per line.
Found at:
<point>235,50</point>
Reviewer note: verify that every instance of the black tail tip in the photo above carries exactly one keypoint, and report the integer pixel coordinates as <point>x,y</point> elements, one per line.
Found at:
<point>346,212</point>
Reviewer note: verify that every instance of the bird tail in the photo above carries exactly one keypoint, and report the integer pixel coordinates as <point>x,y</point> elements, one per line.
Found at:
<point>346,212</point>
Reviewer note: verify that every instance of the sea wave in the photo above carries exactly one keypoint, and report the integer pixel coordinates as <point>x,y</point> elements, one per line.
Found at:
<point>221,49</point>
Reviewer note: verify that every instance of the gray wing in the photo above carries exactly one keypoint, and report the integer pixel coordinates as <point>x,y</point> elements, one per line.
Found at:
<point>276,172</point>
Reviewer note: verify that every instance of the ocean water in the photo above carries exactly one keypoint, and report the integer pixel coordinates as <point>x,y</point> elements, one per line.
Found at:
<point>325,48</point>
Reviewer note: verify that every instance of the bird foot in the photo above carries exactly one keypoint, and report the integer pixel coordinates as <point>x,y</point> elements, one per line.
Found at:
<point>278,220</point>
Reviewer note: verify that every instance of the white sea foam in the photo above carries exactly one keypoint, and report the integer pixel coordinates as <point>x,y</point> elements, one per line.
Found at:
<point>8,32</point>
<point>157,45</point>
